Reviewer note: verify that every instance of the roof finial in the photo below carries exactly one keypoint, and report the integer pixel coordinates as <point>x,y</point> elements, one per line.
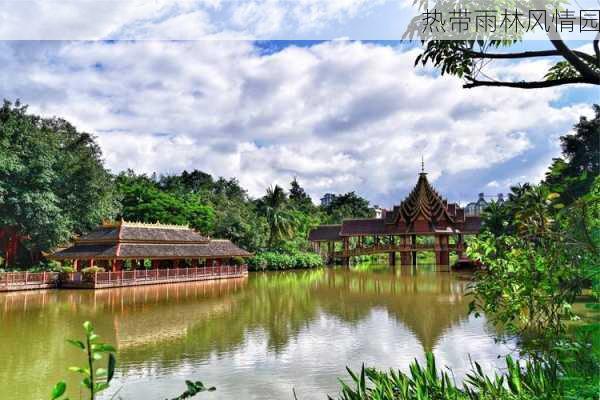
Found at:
<point>422,164</point>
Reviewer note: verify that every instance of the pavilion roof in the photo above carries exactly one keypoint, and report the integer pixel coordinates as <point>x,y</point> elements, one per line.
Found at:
<point>423,201</point>
<point>324,233</point>
<point>422,211</point>
<point>124,240</point>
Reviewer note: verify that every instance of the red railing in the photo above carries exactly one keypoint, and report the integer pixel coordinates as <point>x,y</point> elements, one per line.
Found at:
<point>10,279</point>
<point>178,274</point>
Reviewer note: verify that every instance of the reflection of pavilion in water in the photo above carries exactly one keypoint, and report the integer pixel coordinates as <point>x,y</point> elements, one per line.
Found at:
<point>427,304</point>
<point>196,319</point>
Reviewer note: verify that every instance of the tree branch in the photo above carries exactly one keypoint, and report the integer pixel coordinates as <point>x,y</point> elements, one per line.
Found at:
<point>585,70</point>
<point>597,48</point>
<point>525,85</point>
<point>525,54</point>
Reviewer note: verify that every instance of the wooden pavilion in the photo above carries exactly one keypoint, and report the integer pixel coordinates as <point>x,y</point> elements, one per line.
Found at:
<point>423,213</point>
<point>157,251</point>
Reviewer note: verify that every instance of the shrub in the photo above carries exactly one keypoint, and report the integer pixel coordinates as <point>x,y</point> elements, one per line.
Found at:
<point>92,270</point>
<point>272,261</point>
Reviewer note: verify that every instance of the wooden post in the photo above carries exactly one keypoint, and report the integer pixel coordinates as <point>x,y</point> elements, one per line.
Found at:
<point>414,251</point>
<point>392,258</point>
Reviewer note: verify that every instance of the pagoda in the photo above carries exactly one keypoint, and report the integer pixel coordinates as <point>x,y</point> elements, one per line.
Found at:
<point>424,212</point>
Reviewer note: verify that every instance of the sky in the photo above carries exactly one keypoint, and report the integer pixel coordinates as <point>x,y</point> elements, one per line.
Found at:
<point>339,115</point>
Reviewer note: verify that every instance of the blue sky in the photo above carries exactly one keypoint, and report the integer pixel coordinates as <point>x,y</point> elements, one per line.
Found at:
<point>339,115</point>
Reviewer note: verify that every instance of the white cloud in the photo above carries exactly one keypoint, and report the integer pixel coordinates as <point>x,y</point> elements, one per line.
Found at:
<point>339,115</point>
<point>172,19</point>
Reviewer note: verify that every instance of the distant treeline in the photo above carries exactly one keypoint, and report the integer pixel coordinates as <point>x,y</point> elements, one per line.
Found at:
<point>54,185</point>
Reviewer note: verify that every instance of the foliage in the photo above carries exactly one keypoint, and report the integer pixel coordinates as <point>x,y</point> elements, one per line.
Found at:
<point>523,286</point>
<point>536,379</point>
<point>95,380</point>
<point>299,199</point>
<point>573,176</point>
<point>282,261</point>
<point>541,248</point>
<point>468,59</point>
<point>92,270</point>
<point>52,181</point>
<point>273,207</point>
<point>348,205</point>
<point>144,201</point>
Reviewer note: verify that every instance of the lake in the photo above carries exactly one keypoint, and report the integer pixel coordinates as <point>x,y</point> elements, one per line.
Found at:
<point>258,337</point>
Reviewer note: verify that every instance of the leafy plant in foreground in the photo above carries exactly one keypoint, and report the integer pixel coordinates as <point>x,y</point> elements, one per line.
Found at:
<point>98,380</point>
<point>534,380</point>
<point>95,380</point>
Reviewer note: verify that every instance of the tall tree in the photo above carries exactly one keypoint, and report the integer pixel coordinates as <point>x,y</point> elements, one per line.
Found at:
<point>278,218</point>
<point>299,198</point>
<point>143,200</point>
<point>469,59</point>
<point>52,180</point>
<point>573,175</point>
<point>348,205</point>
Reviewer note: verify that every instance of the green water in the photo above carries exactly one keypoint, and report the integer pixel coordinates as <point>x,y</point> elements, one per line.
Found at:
<point>253,338</point>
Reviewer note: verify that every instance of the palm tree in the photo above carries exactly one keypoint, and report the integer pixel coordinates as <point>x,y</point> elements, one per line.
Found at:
<point>496,219</point>
<point>279,220</point>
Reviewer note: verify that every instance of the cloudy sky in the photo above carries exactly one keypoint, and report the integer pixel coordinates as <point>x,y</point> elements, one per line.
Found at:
<point>340,115</point>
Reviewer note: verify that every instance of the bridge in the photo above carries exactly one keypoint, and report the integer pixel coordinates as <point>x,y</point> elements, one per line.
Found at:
<point>423,216</point>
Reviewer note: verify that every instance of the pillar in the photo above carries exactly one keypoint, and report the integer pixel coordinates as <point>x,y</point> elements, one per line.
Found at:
<point>413,245</point>
<point>76,265</point>
<point>442,254</point>
<point>392,258</point>
<point>92,262</point>
<point>459,245</point>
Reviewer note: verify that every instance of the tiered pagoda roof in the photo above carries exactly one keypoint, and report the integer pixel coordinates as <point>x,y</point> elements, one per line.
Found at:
<point>423,211</point>
<point>135,240</point>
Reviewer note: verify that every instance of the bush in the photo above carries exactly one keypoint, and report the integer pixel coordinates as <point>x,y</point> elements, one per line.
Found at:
<point>273,261</point>
<point>237,261</point>
<point>92,270</point>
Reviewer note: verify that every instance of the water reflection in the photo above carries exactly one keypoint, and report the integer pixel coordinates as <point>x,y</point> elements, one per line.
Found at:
<point>255,337</point>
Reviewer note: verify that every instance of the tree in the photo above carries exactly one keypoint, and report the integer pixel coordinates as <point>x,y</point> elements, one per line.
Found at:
<point>142,200</point>
<point>468,59</point>
<point>280,222</point>
<point>52,180</point>
<point>299,198</point>
<point>348,205</point>
<point>573,175</point>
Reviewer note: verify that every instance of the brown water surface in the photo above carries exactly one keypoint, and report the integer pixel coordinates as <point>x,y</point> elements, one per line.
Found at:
<point>252,338</point>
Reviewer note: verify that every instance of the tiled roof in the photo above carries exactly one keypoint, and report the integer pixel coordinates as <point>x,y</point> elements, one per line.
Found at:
<point>325,233</point>
<point>215,248</point>
<point>137,232</point>
<point>423,211</point>
<point>131,240</point>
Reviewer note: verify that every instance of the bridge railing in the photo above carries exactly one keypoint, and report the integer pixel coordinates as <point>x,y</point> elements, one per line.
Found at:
<point>166,275</point>
<point>8,279</point>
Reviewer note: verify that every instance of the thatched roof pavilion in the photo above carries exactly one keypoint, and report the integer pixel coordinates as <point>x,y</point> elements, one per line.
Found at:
<point>112,243</point>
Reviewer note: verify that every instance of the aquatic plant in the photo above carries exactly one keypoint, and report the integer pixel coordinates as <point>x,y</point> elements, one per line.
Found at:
<point>536,379</point>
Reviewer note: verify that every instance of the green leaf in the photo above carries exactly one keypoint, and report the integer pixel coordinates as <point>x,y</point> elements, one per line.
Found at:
<point>77,343</point>
<point>87,325</point>
<point>59,389</point>
<point>112,362</point>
